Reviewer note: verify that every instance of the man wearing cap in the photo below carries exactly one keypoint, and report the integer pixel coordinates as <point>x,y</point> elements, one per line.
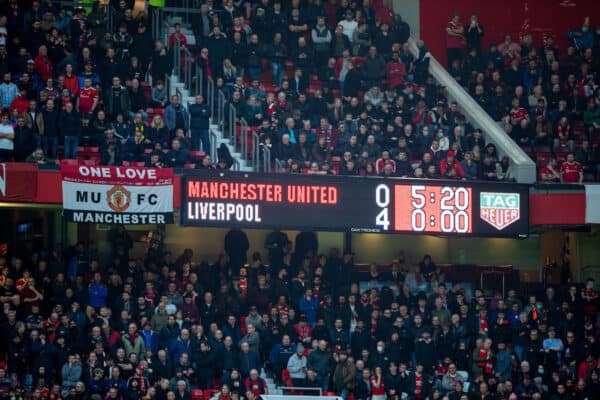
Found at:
<point>553,347</point>
<point>297,366</point>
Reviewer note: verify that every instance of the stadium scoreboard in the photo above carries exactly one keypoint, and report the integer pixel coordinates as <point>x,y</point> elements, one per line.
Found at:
<point>356,204</point>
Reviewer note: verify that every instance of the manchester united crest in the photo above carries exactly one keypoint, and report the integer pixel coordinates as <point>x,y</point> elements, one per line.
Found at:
<point>118,198</point>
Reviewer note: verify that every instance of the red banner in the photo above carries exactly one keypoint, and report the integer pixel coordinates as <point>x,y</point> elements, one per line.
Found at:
<point>134,176</point>
<point>18,182</point>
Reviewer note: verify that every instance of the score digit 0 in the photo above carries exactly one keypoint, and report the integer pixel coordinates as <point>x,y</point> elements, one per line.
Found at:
<point>382,199</point>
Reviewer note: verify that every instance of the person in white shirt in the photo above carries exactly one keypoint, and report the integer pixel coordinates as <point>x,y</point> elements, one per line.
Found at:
<point>349,24</point>
<point>7,136</point>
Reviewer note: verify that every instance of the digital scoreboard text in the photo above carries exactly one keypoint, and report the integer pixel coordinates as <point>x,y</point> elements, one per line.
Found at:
<point>354,204</point>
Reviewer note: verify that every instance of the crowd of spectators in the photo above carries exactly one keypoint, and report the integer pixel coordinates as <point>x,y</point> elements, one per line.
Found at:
<point>332,87</point>
<point>74,90</point>
<point>546,98</point>
<point>166,327</point>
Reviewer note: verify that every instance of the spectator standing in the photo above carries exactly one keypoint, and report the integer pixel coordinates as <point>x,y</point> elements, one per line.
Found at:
<point>7,136</point>
<point>117,99</point>
<point>88,98</point>
<point>43,64</point>
<point>8,92</point>
<point>49,129</point>
<point>297,366</point>
<point>373,68</point>
<point>349,25</point>
<point>474,34</point>
<point>344,375</point>
<point>455,39</point>
<point>320,361</point>
<point>70,128</point>
<point>321,38</point>
<point>176,116</point>
<point>162,61</point>
<point>571,171</point>
<point>24,141</point>
<point>199,125</point>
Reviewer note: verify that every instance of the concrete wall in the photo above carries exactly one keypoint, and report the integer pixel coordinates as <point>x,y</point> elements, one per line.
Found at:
<point>522,254</point>
<point>409,11</point>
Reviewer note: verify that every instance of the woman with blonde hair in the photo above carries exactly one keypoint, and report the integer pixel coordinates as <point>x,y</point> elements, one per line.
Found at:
<point>157,132</point>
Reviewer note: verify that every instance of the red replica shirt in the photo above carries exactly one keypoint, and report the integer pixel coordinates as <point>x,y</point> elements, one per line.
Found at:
<point>518,115</point>
<point>86,99</point>
<point>454,42</point>
<point>570,172</point>
<point>546,171</point>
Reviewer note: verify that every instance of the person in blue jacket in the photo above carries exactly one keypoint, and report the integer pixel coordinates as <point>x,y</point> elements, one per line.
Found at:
<point>309,306</point>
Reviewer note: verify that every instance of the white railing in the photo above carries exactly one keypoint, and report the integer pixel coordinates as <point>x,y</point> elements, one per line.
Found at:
<point>523,168</point>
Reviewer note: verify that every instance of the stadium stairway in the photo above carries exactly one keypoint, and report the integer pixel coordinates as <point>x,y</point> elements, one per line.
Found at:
<point>177,86</point>
<point>273,389</point>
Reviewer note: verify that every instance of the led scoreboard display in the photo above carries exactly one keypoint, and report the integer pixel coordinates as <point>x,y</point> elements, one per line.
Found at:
<point>389,205</point>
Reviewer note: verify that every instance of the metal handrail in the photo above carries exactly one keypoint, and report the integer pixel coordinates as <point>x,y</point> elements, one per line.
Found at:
<point>168,84</point>
<point>243,138</point>
<point>199,82</point>
<point>111,12</point>
<point>231,124</point>
<point>179,94</point>
<point>176,57</point>
<point>300,389</point>
<point>255,152</point>
<point>221,110</point>
<point>213,143</point>
<point>210,95</point>
<point>188,62</point>
<point>266,159</point>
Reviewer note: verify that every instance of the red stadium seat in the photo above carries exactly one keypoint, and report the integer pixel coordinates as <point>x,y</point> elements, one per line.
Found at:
<point>197,153</point>
<point>197,394</point>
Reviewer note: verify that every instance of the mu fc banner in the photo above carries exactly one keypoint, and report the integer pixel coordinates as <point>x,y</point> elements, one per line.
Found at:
<point>117,195</point>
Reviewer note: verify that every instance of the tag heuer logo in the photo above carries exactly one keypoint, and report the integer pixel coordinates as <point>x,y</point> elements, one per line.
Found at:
<point>118,198</point>
<point>499,209</point>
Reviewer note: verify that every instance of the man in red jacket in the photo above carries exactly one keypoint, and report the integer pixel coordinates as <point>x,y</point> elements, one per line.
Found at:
<point>21,102</point>
<point>42,64</point>
<point>451,168</point>
<point>396,71</point>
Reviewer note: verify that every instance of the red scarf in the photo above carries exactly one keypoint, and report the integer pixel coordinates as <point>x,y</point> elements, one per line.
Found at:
<point>419,386</point>
<point>483,324</point>
<point>140,378</point>
<point>244,287</point>
<point>486,362</point>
